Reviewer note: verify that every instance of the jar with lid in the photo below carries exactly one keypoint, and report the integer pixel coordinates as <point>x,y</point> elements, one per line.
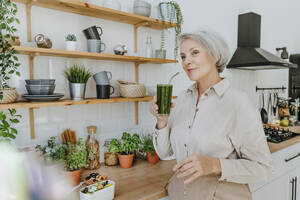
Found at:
<point>93,148</point>
<point>43,41</point>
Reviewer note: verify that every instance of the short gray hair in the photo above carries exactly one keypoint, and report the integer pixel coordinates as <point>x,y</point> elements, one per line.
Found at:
<point>213,43</point>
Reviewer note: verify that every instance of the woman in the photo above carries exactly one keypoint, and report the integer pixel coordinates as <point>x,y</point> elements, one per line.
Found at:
<point>214,131</point>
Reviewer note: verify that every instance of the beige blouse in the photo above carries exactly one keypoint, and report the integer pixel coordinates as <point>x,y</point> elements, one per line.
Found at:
<point>225,125</point>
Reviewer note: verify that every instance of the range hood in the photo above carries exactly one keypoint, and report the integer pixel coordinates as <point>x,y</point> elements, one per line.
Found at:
<point>249,55</point>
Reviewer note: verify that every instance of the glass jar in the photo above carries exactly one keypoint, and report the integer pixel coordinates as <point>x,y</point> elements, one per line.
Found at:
<point>149,49</point>
<point>43,41</point>
<point>93,148</point>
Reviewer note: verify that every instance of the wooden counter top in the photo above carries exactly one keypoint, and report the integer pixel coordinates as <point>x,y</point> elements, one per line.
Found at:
<point>144,181</point>
<point>278,146</point>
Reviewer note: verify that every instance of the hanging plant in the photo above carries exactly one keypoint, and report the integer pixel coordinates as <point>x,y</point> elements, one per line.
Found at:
<point>9,61</point>
<point>173,14</point>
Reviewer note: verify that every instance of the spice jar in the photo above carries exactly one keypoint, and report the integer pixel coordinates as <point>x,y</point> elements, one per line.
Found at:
<point>93,148</point>
<point>43,41</point>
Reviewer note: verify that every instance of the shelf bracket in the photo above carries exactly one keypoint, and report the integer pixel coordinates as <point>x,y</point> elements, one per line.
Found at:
<point>28,13</point>
<point>31,66</point>
<point>136,104</point>
<point>136,26</point>
<point>31,119</point>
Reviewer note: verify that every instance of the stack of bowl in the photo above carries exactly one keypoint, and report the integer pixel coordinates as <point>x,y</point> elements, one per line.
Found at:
<point>142,7</point>
<point>40,86</point>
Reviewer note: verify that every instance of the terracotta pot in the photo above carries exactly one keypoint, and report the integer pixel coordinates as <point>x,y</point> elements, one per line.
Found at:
<point>125,160</point>
<point>74,176</point>
<point>152,158</point>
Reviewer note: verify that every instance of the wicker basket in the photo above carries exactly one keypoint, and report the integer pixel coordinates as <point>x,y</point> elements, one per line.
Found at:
<point>10,95</point>
<point>132,90</point>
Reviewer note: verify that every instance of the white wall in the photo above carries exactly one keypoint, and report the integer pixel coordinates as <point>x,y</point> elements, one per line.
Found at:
<point>278,29</point>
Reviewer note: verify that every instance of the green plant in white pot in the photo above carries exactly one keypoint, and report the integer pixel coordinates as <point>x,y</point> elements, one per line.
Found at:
<point>169,11</point>
<point>71,41</point>
<point>77,77</point>
<point>9,62</point>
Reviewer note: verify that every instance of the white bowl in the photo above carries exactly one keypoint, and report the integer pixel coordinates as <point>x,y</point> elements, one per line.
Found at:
<point>104,194</point>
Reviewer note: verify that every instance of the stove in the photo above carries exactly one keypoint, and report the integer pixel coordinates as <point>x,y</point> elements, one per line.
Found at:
<point>277,135</point>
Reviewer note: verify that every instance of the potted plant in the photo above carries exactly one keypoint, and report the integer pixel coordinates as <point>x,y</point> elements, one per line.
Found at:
<point>113,147</point>
<point>169,11</point>
<point>7,120</point>
<point>295,108</point>
<point>71,42</point>
<point>74,158</point>
<point>130,144</point>
<point>77,77</point>
<point>148,147</point>
<point>9,62</point>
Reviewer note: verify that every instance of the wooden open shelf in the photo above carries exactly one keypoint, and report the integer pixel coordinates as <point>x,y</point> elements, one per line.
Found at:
<point>87,55</point>
<point>75,6</point>
<point>68,102</point>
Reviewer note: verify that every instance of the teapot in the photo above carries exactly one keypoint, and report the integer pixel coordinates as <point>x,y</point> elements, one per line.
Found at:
<point>120,49</point>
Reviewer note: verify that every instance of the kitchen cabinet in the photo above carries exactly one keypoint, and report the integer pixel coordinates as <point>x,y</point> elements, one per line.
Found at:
<point>81,8</point>
<point>284,183</point>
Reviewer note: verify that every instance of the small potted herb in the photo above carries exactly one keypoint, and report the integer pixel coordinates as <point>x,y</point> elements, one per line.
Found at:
<point>129,145</point>
<point>113,147</point>
<point>71,41</point>
<point>75,158</point>
<point>148,147</point>
<point>7,120</point>
<point>77,77</point>
<point>52,151</point>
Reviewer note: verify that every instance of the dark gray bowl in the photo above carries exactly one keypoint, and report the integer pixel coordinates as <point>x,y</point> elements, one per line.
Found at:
<point>40,89</point>
<point>40,82</point>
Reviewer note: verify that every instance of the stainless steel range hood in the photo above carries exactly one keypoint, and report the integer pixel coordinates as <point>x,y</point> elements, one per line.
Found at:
<point>249,55</point>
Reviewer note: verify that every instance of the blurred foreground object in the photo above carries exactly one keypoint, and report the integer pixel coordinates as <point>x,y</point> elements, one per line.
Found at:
<point>24,177</point>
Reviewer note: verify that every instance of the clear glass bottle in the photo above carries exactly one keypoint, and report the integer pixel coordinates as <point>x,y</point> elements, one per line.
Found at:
<point>93,148</point>
<point>149,49</point>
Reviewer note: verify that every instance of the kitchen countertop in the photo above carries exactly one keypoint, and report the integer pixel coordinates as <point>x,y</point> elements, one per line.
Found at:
<point>146,181</point>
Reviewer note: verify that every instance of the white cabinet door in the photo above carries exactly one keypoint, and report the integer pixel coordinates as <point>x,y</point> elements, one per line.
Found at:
<point>297,184</point>
<point>279,189</point>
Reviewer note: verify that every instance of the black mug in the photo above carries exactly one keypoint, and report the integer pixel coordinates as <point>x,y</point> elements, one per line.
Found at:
<point>103,91</point>
<point>93,33</point>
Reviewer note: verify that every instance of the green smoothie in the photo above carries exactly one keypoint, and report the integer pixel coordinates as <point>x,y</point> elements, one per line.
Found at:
<point>164,97</point>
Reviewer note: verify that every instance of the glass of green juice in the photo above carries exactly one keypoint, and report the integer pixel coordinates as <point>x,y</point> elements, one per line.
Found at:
<point>164,97</point>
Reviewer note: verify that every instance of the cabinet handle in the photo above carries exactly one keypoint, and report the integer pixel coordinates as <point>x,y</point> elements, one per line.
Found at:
<point>292,182</point>
<point>289,159</point>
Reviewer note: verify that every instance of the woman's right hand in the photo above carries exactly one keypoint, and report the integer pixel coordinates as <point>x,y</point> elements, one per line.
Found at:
<point>162,120</point>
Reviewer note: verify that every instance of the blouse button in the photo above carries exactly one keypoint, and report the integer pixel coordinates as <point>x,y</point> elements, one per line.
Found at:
<point>190,126</point>
<point>206,94</point>
<point>197,109</point>
<point>184,145</point>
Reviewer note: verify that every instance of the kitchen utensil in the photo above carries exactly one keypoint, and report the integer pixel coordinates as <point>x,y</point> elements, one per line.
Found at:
<point>40,89</point>
<point>53,97</point>
<point>104,91</point>
<point>93,33</point>
<point>96,46</point>
<point>102,78</point>
<point>40,81</point>
<point>275,103</point>
<point>263,112</point>
<point>43,41</point>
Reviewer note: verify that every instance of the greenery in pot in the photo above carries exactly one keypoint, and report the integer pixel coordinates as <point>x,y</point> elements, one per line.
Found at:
<point>75,155</point>
<point>114,146</point>
<point>9,61</point>
<point>52,151</point>
<point>173,9</point>
<point>147,144</point>
<point>71,37</point>
<point>7,120</point>
<point>130,143</point>
<point>77,74</point>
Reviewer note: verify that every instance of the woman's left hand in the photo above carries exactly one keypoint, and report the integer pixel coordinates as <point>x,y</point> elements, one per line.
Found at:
<point>195,166</point>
